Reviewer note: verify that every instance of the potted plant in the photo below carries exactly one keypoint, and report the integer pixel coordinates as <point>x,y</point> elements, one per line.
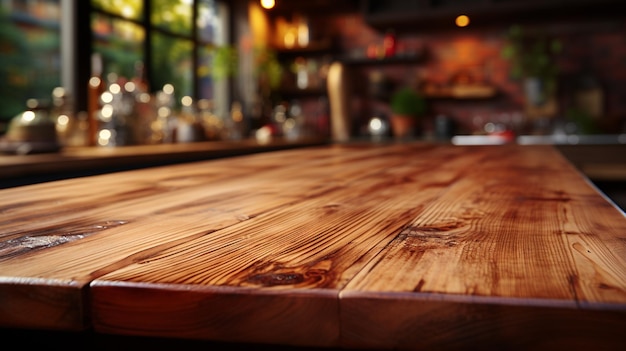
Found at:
<point>531,58</point>
<point>225,61</point>
<point>407,107</point>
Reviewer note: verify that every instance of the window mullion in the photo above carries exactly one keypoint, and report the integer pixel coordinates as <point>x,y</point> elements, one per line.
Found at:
<point>147,44</point>
<point>195,51</point>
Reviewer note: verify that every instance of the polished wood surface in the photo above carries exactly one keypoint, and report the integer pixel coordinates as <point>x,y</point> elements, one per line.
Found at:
<point>398,245</point>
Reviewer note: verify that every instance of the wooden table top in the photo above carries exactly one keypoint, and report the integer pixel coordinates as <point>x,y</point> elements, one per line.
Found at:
<point>396,245</point>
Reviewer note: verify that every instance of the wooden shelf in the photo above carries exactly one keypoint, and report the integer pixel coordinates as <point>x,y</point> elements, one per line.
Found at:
<point>400,59</point>
<point>318,47</point>
<point>314,7</point>
<point>462,93</point>
<point>295,92</point>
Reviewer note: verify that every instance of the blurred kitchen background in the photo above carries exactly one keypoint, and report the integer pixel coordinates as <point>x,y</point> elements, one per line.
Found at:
<point>111,73</point>
<point>205,61</point>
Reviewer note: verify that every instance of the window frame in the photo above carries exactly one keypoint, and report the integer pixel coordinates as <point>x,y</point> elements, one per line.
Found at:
<point>77,50</point>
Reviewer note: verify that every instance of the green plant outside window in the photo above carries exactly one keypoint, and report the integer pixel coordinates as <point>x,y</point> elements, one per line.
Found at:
<point>29,54</point>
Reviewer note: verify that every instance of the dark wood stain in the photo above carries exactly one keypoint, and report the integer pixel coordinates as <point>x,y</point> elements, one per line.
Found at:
<point>419,286</point>
<point>557,196</point>
<point>574,284</point>
<point>144,192</point>
<point>273,279</point>
<point>547,199</point>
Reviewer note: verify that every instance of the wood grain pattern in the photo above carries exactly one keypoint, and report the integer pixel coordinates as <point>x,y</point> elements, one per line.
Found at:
<point>406,245</point>
<point>519,253</point>
<point>319,244</point>
<point>88,227</point>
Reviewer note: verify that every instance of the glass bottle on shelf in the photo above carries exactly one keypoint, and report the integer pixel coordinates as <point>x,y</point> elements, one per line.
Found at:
<point>389,43</point>
<point>70,131</point>
<point>234,125</point>
<point>212,124</point>
<point>302,73</point>
<point>302,25</point>
<point>188,126</point>
<point>95,88</point>
<point>162,127</point>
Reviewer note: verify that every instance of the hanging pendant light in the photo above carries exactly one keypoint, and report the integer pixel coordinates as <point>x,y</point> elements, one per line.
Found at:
<point>268,4</point>
<point>462,21</point>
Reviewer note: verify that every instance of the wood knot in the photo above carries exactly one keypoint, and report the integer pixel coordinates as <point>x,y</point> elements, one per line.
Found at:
<point>434,230</point>
<point>439,234</point>
<point>331,208</point>
<point>242,217</point>
<point>273,279</point>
